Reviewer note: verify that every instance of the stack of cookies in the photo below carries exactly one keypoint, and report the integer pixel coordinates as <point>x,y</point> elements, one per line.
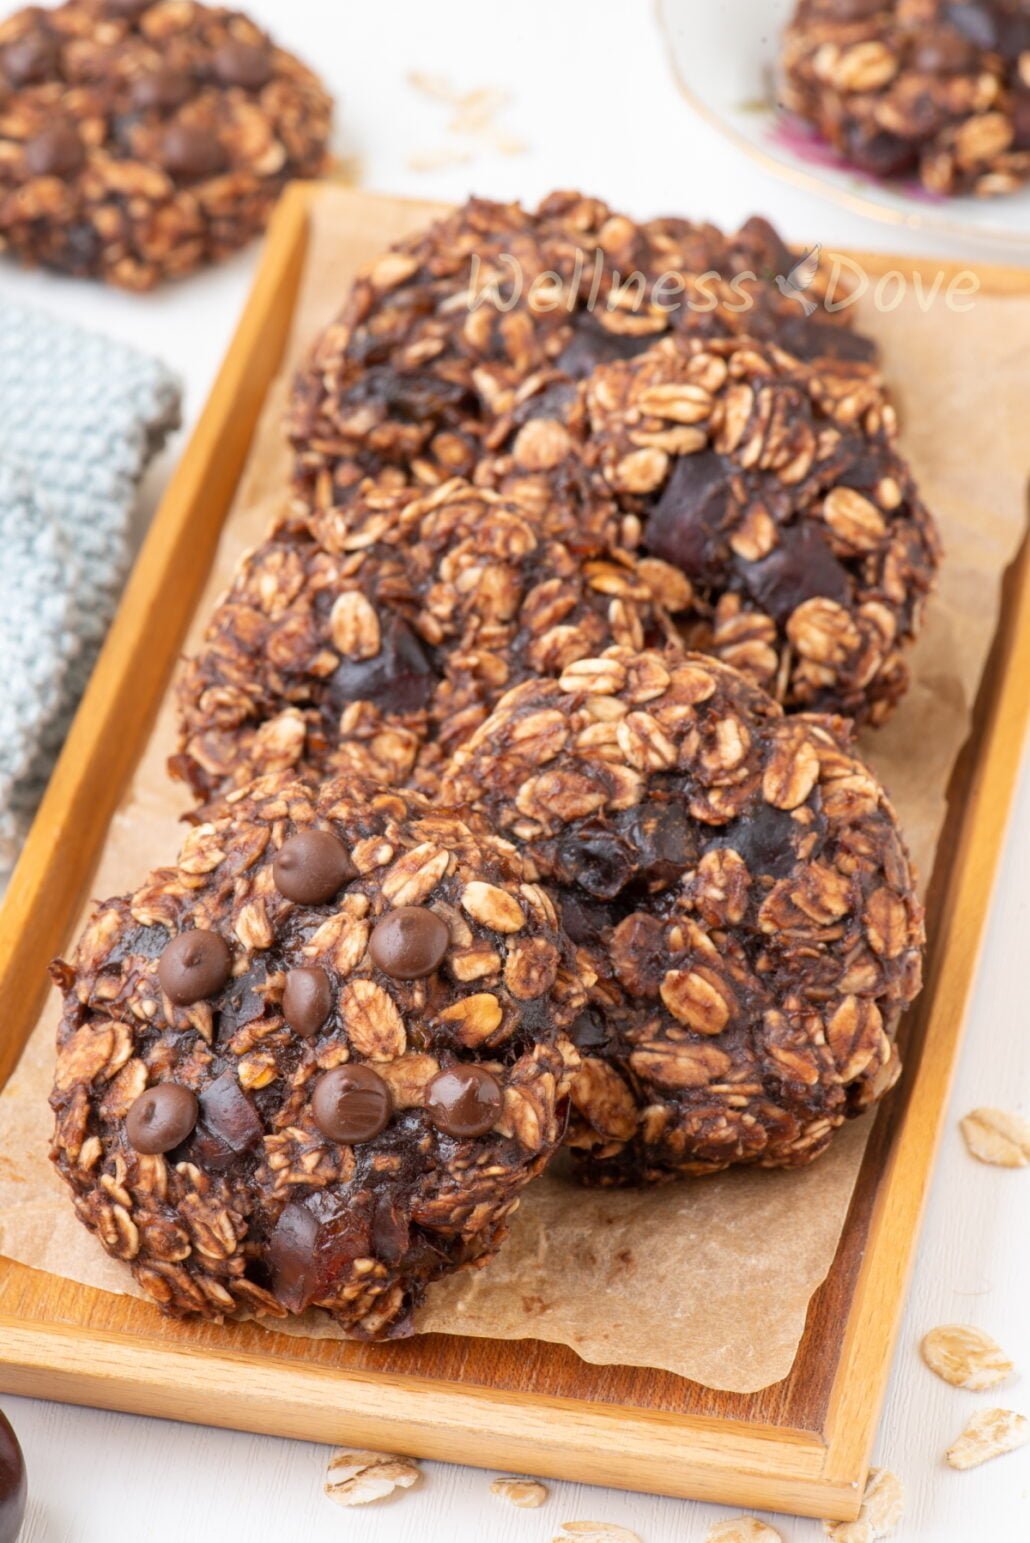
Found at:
<point>527,813</point>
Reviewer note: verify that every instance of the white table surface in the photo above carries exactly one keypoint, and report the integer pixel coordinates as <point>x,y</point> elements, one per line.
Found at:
<point>592,98</point>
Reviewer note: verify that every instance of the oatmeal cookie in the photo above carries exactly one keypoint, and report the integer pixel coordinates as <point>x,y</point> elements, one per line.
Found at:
<point>938,89</point>
<point>458,334</point>
<point>374,638</point>
<point>736,881</point>
<point>139,141</point>
<point>315,1062</point>
<point>777,490</point>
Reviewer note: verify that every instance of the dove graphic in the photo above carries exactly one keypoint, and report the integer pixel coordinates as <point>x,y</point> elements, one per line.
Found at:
<point>799,279</point>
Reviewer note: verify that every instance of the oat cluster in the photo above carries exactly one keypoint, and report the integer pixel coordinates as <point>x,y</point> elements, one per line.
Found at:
<point>514,822</point>
<point>139,141</point>
<point>916,88</point>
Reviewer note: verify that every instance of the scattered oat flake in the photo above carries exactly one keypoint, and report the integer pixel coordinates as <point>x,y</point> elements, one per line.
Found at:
<point>990,1433</point>
<point>356,1478</point>
<point>882,1505</point>
<point>435,86</point>
<point>525,1493</point>
<point>743,1529</point>
<point>965,1357</point>
<point>994,1136</point>
<point>436,160</point>
<point>507,144</point>
<point>596,1532</point>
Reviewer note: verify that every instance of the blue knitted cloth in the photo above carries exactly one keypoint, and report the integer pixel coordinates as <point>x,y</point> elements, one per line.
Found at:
<point>80,419</point>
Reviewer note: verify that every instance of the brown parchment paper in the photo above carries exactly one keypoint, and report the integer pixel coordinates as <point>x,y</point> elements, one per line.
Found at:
<point>709,1279</point>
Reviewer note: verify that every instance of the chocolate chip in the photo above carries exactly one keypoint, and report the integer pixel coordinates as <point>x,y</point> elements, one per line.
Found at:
<point>684,526</point>
<point>592,344</point>
<point>800,567</point>
<point>190,152</point>
<point>229,1114</point>
<point>351,1103</point>
<point>881,154</point>
<point>307,1000</point>
<point>312,867</point>
<point>409,942</point>
<point>33,58</point>
<point>163,90</point>
<point>464,1101</point>
<point>195,965</point>
<point>55,152</point>
<point>13,1487</point>
<point>242,64</point>
<point>399,678</point>
<point>161,1118</point>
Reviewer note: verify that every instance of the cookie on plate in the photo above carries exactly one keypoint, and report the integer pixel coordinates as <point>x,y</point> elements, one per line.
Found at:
<point>925,88</point>
<point>314,1063</point>
<point>374,638</point>
<point>460,333</point>
<point>736,881</point>
<point>776,488</point>
<point>139,141</point>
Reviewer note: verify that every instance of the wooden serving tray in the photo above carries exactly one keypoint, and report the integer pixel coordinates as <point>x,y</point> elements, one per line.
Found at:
<point>801,1446</point>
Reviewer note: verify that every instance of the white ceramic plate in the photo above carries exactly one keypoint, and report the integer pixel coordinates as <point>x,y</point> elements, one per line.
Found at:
<point>724,55</point>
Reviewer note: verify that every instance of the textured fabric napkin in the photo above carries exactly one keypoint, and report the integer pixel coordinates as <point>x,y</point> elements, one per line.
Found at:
<point>80,419</point>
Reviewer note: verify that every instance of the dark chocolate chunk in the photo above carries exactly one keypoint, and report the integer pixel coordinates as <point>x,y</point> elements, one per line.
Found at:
<point>590,1033</point>
<point>685,523</point>
<point>291,1257</point>
<point>32,59</point>
<point>800,567</point>
<point>464,1101</point>
<point>190,152</point>
<point>585,922</point>
<point>242,64</point>
<point>57,151</point>
<point>161,1118</point>
<point>399,678</point>
<point>163,90</point>
<point>596,857</point>
<point>312,867</point>
<point>351,1103</point>
<point>409,942</point>
<point>663,839</point>
<point>975,21</point>
<point>195,965</point>
<point>229,1114</point>
<point>307,1000</point>
<point>13,1486</point>
<point>766,838</point>
<point>592,344</point>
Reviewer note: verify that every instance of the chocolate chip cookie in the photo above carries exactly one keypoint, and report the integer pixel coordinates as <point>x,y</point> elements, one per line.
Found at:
<point>314,1063</point>
<point>374,638</point>
<point>456,336</point>
<point>140,141</point>
<point>776,488</point>
<point>935,89</point>
<point>735,881</point>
